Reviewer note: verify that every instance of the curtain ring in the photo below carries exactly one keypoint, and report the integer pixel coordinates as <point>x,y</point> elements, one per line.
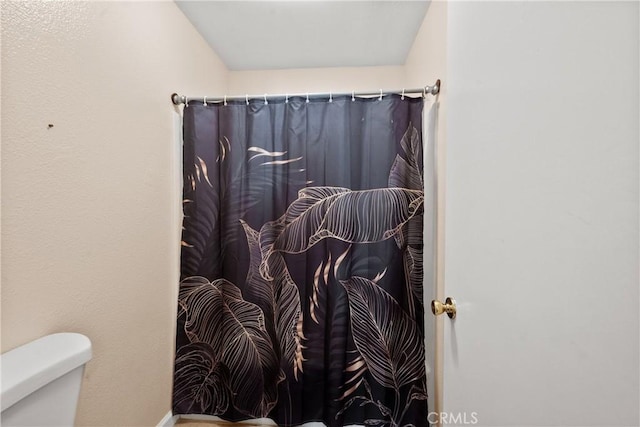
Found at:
<point>225,100</point>
<point>330,97</point>
<point>204,101</point>
<point>186,101</point>
<point>307,97</point>
<point>353,95</point>
<point>246,97</point>
<point>380,99</point>
<point>424,92</point>
<point>402,97</point>
<point>286,98</point>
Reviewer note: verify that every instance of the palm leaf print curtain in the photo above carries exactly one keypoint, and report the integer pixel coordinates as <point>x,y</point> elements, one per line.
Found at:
<point>301,271</point>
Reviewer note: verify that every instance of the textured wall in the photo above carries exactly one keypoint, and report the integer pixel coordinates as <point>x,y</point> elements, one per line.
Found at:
<point>89,230</point>
<point>301,80</point>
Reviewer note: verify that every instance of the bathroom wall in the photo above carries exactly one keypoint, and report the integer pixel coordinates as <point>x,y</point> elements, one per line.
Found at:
<point>542,213</point>
<point>89,230</point>
<point>340,79</point>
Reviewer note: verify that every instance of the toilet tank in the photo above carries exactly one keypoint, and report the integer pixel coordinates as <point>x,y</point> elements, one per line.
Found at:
<point>41,381</point>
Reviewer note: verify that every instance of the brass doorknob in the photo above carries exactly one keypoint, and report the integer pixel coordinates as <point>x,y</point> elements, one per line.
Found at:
<point>448,307</point>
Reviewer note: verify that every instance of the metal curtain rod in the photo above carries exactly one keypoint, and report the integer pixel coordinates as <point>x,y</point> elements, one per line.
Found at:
<point>182,99</point>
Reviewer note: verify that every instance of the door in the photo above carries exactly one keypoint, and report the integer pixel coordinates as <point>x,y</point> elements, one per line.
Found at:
<point>542,214</point>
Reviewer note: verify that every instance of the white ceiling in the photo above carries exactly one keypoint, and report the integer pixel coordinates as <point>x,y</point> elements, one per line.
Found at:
<point>255,35</point>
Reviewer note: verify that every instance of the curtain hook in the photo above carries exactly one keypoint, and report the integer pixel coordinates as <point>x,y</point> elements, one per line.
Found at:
<point>330,97</point>
<point>204,101</point>
<point>307,97</point>
<point>353,95</point>
<point>225,100</point>
<point>402,94</point>
<point>246,98</point>
<point>424,92</point>
<point>186,101</point>
<point>265,99</point>
<point>380,99</point>
<point>286,98</point>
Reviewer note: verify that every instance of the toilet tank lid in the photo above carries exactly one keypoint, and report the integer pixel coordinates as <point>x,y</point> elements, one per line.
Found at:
<point>27,368</point>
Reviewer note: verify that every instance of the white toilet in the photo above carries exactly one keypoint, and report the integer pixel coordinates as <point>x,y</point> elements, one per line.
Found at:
<point>41,381</point>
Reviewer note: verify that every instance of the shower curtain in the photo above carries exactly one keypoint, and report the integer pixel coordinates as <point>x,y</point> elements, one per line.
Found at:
<point>301,269</point>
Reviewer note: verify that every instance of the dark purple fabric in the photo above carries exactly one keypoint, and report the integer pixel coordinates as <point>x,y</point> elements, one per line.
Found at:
<point>301,269</point>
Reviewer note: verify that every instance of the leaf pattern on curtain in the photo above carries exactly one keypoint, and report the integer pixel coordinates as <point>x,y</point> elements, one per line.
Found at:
<point>351,216</point>
<point>385,335</point>
<point>408,173</point>
<point>205,240</point>
<point>235,330</point>
<point>198,238</point>
<point>277,294</point>
<point>202,382</point>
<point>251,325</point>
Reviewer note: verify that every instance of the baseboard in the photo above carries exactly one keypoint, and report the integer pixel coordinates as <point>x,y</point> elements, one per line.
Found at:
<point>266,422</point>
<point>169,420</point>
<point>212,418</point>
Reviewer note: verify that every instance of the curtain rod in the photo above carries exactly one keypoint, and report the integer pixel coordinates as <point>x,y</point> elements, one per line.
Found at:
<point>182,99</point>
